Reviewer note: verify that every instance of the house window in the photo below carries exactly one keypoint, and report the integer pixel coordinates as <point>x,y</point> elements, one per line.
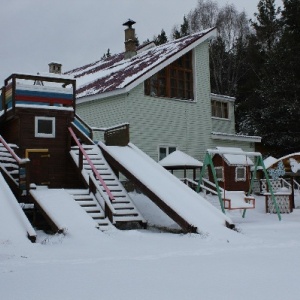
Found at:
<point>240,174</point>
<point>174,81</point>
<point>219,173</point>
<point>219,109</point>
<point>164,151</point>
<point>45,127</point>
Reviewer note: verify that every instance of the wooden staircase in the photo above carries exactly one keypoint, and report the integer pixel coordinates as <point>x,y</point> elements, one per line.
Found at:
<point>90,204</point>
<point>123,213</point>
<point>8,163</point>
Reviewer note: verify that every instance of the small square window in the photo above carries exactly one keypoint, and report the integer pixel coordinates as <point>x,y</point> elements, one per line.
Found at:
<point>45,127</point>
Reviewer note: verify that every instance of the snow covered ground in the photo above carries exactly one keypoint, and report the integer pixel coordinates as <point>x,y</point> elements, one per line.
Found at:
<point>261,261</point>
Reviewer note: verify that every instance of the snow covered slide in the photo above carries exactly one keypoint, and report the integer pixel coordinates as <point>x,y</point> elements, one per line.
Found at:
<point>62,212</point>
<point>14,224</point>
<point>191,211</point>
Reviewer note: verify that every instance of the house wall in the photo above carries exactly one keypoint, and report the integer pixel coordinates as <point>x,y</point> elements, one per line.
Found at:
<point>104,112</point>
<point>225,125</point>
<point>158,121</point>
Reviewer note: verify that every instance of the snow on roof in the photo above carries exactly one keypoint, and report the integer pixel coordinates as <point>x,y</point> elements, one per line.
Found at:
<point>115,72</point>
<point>235,159</point>
<point>179,158</point>
<point>269,161</point>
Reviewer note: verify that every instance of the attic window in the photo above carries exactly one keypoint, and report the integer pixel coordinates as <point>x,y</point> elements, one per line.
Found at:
<point>44,127</point>
<point>174,81</point>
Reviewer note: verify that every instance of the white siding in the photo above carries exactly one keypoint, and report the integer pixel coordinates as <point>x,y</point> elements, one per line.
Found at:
<point>225,125</point>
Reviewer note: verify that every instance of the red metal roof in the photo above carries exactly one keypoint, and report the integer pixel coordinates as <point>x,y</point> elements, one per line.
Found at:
<point>115,72</point>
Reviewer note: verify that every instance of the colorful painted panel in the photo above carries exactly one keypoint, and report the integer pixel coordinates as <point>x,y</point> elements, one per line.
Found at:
<point>43,96</point>
<point>8,94</point>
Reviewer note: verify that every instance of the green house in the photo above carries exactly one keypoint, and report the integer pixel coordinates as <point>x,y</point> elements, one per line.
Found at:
<point>163,92</point>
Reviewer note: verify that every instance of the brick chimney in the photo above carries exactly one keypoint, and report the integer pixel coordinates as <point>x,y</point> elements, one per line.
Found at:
<point>130,42</point>
<point>55,68</point>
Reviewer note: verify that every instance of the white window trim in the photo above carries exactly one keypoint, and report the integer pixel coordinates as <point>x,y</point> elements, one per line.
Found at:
<point>228,110</point>
<point>44,135</point>
<point>220,178</point>
<point>236,174</point>
<point>168,149</point>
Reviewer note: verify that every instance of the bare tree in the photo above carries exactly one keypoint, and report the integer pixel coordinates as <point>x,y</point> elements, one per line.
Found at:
<point>226,56</point>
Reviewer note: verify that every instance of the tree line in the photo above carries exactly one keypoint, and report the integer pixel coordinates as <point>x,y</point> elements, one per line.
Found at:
<point>258,62</point>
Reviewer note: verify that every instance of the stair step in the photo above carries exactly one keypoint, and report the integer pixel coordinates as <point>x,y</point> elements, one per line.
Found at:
<point>99,215</point>
<point>124,209</point>
<point>86,203</point>
<point>126,212</point>
<point>82,197</point>
<point>118,205</point>
<point>92,209</point>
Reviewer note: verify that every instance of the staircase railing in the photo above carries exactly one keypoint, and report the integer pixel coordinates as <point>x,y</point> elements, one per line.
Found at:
<point>297,185</point>
<point>23,184</point>
<point>83,154</point>
<point>94,187</point>
<point>83,126</point>
<point>210,187</point>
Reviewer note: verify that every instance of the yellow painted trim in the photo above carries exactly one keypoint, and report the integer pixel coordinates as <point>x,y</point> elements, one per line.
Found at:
<point>27,151</point>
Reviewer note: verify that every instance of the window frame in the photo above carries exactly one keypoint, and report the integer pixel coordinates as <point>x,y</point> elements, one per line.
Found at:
<point>222,172</point>
<point>221,112</point>
<point>175,81</point>
<point>41,134</point>
<point>240,178</point>
<point>167,147</point>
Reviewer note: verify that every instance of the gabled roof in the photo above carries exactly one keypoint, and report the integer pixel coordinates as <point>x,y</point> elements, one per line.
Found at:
<point>118,75</point>
<point>235,156</point>
<point>180,159</point>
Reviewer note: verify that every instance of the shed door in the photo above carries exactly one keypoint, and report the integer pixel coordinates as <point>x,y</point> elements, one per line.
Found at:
<point>39,166</point>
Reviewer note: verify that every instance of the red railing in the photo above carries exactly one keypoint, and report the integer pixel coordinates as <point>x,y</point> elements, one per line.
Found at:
<point>23,178</point>
<point>82,153</point>
<point>13,154</point>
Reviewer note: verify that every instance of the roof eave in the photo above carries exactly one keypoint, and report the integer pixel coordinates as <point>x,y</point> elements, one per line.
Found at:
<point>235,137</point>
<point>100,96</point>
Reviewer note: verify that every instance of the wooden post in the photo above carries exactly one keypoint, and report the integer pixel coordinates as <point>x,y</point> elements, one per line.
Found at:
<point>80,162</point>
<point>293,192</point>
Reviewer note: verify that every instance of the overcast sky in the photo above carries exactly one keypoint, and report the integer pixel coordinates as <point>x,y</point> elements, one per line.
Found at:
<point>76,32</point>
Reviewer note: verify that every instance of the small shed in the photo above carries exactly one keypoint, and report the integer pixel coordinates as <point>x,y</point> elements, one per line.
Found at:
<point>179,160</point>
<point>233,171</point>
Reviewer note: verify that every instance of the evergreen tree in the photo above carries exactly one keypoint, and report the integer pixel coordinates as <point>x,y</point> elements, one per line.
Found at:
<point>268,25</point>
<point>107,54</point>
<point>184,27</point>
<point>183,31</point>
<point>274,108</point>
<point>161,38</point>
